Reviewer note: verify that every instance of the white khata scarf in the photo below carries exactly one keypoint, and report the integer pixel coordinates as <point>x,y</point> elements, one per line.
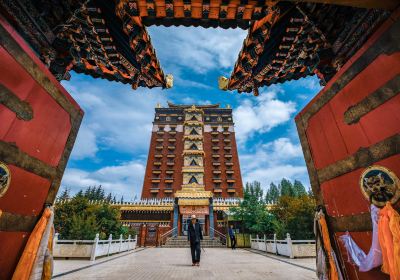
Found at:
<point>365,262</point>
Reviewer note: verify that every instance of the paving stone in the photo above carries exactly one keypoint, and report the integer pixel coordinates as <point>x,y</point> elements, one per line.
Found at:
<point>175,263</point>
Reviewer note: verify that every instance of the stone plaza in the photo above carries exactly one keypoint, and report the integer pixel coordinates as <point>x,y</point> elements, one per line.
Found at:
<point>174,263</point>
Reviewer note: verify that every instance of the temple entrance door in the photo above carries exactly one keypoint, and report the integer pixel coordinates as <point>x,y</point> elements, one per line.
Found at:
<point>350,136</point>
<point>186,221</point>
<point>39,123</point>
<point>151,235</point>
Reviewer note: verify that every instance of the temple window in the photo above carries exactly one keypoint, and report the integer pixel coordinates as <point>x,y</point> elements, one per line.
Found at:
<point>193,180</point>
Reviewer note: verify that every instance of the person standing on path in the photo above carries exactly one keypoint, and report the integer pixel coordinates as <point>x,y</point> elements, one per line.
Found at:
<point>232,237</point>
<point>194,236</point>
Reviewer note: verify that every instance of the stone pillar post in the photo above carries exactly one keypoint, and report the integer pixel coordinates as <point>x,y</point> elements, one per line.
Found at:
<point>211,217</point>
<point>55,239</point>
<point>109,244</point>
<point>275,244</point>
<point>289,246</point>
<point>120,243</point>
<point>176,217</point>
<point>94,248</point>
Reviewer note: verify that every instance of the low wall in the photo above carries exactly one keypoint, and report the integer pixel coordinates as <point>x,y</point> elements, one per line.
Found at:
<point>287,247</point>
<point>91,249</point>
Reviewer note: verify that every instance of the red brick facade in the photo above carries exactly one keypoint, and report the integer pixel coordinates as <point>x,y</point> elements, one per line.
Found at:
<point>221,165</point>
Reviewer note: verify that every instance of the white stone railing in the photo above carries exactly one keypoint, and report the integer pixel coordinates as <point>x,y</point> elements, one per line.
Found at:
<point>287,247</point>
<point>91,249</point>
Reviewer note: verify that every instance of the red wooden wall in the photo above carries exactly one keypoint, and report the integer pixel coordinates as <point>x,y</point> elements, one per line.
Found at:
<point>328,138</point>
<point>44,141</point>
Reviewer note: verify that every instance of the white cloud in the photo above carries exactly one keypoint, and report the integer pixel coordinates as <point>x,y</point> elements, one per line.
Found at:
<point>273,161</point>
<point>198,49</point>
<point>261,114</point>
<point>85,146</point>
<point>116,117</point>
<point>125,179</point>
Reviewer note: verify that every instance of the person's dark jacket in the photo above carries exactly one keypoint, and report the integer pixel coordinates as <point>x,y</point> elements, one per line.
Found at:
<point>194,233</point>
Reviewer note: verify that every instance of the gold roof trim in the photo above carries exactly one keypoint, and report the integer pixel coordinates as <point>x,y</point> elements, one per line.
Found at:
<point>197,202</point>
<point>147,208</point>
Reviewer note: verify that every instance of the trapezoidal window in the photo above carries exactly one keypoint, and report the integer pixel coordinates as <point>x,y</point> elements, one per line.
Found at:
<point>193,180</point>
<point>193,118</point>
<point>194,132</point>
<point>193,163</point>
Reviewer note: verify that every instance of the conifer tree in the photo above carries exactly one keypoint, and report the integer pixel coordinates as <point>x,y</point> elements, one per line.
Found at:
<point>299,189</point>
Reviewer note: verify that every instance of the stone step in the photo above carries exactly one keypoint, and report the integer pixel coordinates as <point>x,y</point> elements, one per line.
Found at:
<point>182,242</point>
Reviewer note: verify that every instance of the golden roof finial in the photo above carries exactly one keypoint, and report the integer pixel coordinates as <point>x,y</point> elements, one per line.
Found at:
<point>193,107</point>
<point>228,106</point>
<point>158,105</point>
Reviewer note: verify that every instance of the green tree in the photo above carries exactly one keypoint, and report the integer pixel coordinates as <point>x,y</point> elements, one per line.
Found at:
<point>252,211</point>
<point>294,215</point>
<point>64,195</point>
<point>286,188</point>
<point>83,227</point>
<point>77,219</point>
<point>272,193</point>
<point>299,189</point>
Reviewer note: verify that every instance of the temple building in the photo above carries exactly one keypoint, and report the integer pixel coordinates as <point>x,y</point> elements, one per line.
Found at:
<point>192,168</point>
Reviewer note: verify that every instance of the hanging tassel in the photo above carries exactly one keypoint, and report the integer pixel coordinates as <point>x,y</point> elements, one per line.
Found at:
<point>389,239</point>
<point>321,228</point>
<point>255,91</point>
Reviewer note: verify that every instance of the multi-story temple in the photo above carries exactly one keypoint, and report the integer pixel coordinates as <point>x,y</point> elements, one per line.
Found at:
<point>192,168</point>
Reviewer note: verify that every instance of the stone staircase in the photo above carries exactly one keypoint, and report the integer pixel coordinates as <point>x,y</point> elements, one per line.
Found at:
<point>181,242</point>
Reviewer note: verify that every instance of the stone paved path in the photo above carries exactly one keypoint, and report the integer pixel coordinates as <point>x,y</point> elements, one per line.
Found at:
<point>174,263</point>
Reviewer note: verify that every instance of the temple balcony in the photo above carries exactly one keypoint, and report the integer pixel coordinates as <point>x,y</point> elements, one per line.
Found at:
<point>226,140</point>
<point>215,155</point>
<point>171,147</point>
<point>168,190</point>
<point>214,132</point>
<point>216,163</point>
<point>171,140</point>
<point>158,156</point>
<point>169,172</point>
<point>215,148</point>
<point>229,163</point>
<point>230,190</point>
<point>217,190</point>
<point>156,171</point>
<point>230,172</point>
<point>170,156</point>
<point>160,140</point>
<point>217,180</point>
<point>227,148</point>
<point>230,180</point>
<point>157,163</point>
<point>154,190</point>
<point>170,163</point>
<point>216,171</point>
<point>228,156</point>
<point>160,132</point>
<point>172,132</point>
<point>215,140</point>
<point>169,180</point>
<point>226,133</point>
<point>155,180</point>
<point>159,148</point>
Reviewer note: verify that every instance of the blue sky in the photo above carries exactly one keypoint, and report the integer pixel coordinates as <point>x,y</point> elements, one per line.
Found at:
<point>113,141</point>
